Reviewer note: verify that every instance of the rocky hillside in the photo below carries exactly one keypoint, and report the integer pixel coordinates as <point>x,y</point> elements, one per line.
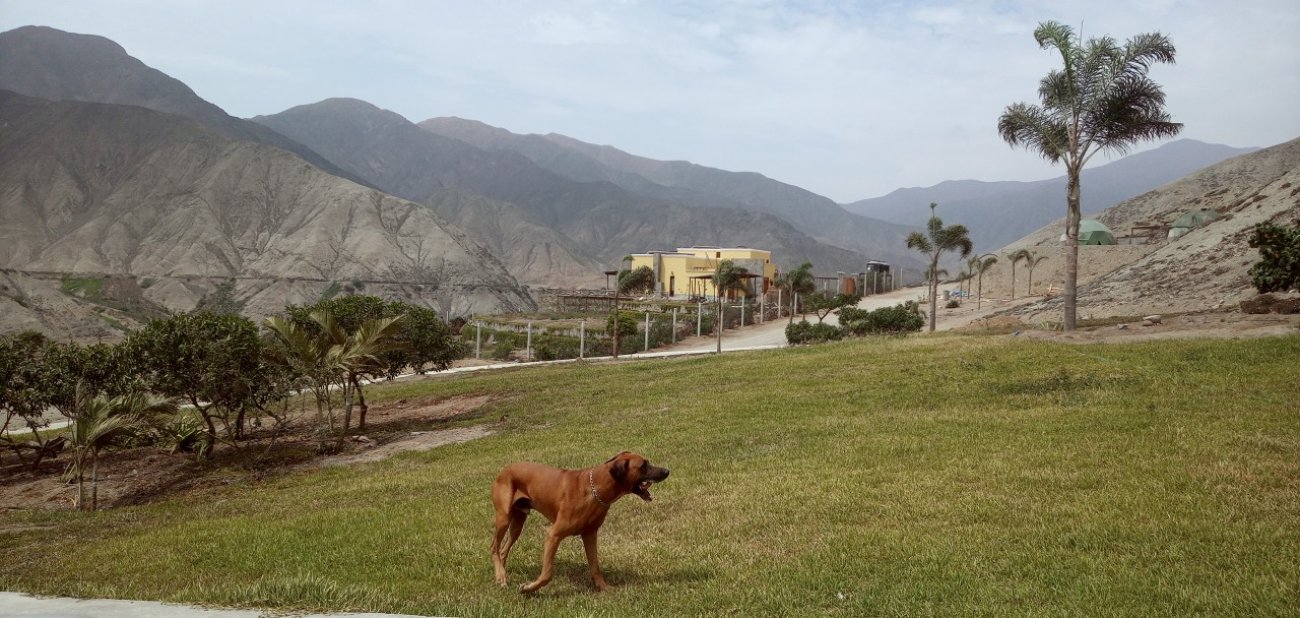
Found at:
<point>689,184</point>
<point>92,192</point>
<point>549,230</point>
<point>1204,269</point>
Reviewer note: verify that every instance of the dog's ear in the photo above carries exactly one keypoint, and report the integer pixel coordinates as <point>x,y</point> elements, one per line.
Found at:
<point>618,455</point>
<point>619,470</point>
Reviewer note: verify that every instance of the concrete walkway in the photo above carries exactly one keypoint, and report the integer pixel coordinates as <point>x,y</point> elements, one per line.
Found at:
<point>14,605</point>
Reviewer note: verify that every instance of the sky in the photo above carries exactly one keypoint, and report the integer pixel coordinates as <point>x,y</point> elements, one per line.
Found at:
<point>847,99</point>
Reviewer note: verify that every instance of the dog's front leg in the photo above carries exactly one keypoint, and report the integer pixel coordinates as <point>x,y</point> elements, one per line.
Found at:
<point>589,544</point>
<point>548,561</point>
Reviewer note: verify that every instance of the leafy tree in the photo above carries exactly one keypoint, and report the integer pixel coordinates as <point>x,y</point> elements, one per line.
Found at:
<point>99,422</point>
<point>21,392</point>
<point>822,304</point>
<point>1278,268</point>
<point>1100,100</point>
<point>332,357</point>
<point>424,341</point>
<point>933,244</point>
<point>212,361</point>
<point>727,278</point>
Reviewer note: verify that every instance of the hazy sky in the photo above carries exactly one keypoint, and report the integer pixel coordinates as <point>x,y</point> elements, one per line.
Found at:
<point>847,99</point>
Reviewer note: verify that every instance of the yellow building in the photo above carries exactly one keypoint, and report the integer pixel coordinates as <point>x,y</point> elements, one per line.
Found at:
<point>688,271</point>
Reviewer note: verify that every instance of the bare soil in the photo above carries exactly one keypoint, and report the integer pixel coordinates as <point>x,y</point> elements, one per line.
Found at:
<point>140,475</point>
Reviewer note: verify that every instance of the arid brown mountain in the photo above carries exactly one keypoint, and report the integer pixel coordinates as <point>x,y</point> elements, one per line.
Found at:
<point>998,213</point>
<point>689,184</point>
<point>1204,269</point>
<point>92,194</point>
<point>43,62</point>
<point>549,230</point>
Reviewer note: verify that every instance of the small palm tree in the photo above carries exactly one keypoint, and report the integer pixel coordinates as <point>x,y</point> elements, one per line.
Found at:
<point>938,240</point>
<point>97,423</point>
<point>1031,261</point>
<point>1100,100</point>
<point>727,278</point>
<point>1015,257</point>
<point>796,282</point>
<point>638,280</point>
<point>334,358</point>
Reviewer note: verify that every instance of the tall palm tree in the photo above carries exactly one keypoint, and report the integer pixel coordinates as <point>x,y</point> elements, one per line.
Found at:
<point>1015,257</point>
<point>983,263</point>
<point>97,423</point>
<point>1101,100</point>
<point>727,278</point>
<point>1031,261</point>
<point>937,240</point>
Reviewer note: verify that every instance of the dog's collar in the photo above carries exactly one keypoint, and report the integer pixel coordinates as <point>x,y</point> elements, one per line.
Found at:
<point>591,482</point>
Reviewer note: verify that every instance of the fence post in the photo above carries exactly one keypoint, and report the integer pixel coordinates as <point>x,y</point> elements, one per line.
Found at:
<point>674,325</point>
<point>699,318</point>
<point>582,339</point>
<point>528,349</point>
<point>478,340</point>
<point>646,347</point>
<point>742,312</point>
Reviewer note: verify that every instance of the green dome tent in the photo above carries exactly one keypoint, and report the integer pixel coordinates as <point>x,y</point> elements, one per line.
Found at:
<point>1093,232</point>
<point>1191,220</point>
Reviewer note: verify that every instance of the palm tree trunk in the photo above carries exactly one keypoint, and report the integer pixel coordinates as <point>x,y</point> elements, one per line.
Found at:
<point>934,289</point>
<point>347,413</point>
<point>717,329</point>
<point>1072,252</point>
<point>362,408</point>
<point>94,481</point>
<point>81,483</point>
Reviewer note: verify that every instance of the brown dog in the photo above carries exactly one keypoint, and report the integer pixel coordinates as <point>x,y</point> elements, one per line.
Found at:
<point>575,502</point>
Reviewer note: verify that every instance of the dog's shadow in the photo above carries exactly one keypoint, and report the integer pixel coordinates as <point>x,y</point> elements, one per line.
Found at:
<point>575,572</point>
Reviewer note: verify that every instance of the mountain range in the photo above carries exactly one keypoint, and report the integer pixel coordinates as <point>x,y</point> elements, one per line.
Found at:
<point>114,169</point>
<point>550,230</point>
<point>999,213</point>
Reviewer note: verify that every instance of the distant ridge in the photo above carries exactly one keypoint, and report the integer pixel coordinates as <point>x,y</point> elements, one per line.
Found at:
<point>693,185</point>
<point>47,63</point>
<point>998,213</point>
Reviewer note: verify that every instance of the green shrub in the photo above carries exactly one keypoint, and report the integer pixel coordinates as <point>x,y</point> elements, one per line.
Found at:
<point>1278,268</point>
<point>502,349</point>
<point>804,332</point>
<point>953,304</point>
<point>896,320</point>
<point>554,347</point>
<point>797,332</point>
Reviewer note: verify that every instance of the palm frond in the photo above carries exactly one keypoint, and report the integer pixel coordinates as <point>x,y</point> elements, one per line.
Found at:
<point>1031,127</point>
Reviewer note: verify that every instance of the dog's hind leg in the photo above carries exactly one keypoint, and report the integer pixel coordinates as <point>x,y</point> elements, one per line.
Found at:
<point>518,518</point>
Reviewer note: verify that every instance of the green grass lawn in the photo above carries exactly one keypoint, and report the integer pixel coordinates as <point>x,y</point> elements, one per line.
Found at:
<point>934,476</point>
